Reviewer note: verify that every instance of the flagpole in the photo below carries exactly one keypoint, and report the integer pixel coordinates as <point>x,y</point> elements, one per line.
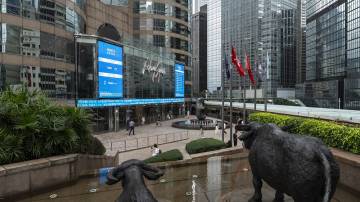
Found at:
<point>222,106</point>
<point>255,96</point>
<point>265,96</point>
<point>231,136</point>
<point>244,96</point>
<point>266,78</point>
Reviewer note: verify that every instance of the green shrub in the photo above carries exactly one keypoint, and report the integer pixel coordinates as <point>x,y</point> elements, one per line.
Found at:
<point>204,145</point>
<point>32,127</point>
<point>94,146</point>
<point>172,155</point>
<point>334,135</point>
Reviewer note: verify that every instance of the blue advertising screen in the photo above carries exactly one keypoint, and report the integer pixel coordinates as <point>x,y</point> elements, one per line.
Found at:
<point>179,80</point>
<point>110,70</point>
<point>127,102</point>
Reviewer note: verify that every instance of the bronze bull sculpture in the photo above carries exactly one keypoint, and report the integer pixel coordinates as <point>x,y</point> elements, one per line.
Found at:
<point>131,173</point>
<point>299,166</point>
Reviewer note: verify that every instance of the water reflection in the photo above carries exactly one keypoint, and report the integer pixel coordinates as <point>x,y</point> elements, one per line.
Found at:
<point>217,179</point>
<point>214,176</point>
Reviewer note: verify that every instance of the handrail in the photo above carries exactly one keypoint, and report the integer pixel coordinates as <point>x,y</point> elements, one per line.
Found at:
<point>147,141</point>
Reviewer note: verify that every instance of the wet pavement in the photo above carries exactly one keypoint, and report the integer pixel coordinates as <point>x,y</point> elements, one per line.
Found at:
<point>150,130</point>
<point>213,179</point>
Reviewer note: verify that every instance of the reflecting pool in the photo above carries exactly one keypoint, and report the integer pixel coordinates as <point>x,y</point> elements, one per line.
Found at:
<point>226,178</point>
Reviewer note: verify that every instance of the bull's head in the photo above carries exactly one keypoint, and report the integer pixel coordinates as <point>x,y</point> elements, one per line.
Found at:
<point>118,173</point>
<point>249,134</point>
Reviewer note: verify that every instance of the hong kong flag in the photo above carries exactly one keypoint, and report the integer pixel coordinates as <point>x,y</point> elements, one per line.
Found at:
<point>237,63</point>
<point>248,67</point>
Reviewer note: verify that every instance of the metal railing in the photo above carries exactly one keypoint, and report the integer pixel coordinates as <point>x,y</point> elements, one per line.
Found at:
<point>144,142</point>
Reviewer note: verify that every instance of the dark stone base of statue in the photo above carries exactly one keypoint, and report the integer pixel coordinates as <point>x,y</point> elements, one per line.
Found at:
<point>131,173</point>
<point>300,166</point>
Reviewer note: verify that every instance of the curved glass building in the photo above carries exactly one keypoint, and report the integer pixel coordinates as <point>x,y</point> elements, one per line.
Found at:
<point>37,43</point>
<point>165,24</point>
<point>38,50</point>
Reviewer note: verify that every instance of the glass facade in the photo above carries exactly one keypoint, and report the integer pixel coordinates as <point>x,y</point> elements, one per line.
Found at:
<point>55,83</point>
<point>165,24</point>
<point>214,45</point>
<point>47,11</point>
<point>58,49</point>
<point>315,6</point>
<point>327,33</point>
<point>266,27</point>
<point>197,4</point>
<point>352,82</point>
<point>44,53</point>
<point>137,81</point>
<point>145,93</point>
<point>333,56</point>
<point>116,2</point>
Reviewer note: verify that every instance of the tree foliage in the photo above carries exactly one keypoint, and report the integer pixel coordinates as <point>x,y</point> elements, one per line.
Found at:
<point>32,127</point>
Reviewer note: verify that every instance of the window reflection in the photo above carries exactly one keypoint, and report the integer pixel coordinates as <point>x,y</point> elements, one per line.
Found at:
<point>30,42</point>
<point>15,40</point>
<point>47,11</point>
<point>150,7</point>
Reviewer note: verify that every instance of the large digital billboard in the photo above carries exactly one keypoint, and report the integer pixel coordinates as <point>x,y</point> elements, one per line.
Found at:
<point>110,70</point>
<point>179,80</point>
<point>126,102</point>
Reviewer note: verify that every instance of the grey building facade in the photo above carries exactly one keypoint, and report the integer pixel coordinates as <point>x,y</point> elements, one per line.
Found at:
<point>332,55</point>
<point>199,51</point>
<point>214,44</point>
<point>301,47</point>
<point>197,4</point>
<point>259,28</point>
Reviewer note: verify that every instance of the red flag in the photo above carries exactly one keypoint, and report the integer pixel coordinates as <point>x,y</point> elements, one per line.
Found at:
<point>248,67</point>
<point>236,62</point>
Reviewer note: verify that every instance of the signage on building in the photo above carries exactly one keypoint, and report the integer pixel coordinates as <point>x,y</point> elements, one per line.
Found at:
<point>155,69</point>
<point>126,102</point>
<point>179,80</point>
<point>110,70</point>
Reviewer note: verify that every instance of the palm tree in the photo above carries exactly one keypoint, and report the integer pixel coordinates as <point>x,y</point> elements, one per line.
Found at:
<point>32,127</point>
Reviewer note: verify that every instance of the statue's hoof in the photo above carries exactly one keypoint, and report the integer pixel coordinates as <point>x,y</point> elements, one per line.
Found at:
<point>254,199</point>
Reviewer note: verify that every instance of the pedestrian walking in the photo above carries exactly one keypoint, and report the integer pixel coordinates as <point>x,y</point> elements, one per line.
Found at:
<point>217,131</point>
<point>132,127</point>
<point>202,132</point>
<point>158,123</point>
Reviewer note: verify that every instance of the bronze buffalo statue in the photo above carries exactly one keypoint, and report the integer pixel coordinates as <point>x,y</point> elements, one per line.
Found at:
<point>131,173</point>
<point>299,166</point>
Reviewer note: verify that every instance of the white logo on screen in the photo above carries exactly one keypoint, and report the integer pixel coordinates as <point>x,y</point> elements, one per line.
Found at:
<point>111,51</point>
<point>154,68</point>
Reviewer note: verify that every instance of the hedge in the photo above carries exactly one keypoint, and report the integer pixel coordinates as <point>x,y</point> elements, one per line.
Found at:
<point>332,134</point>
<point>172,155</point>
<point>204,145</point>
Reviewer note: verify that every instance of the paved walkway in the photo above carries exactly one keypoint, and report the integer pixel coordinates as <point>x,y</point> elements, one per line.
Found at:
<point>151,130</point>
